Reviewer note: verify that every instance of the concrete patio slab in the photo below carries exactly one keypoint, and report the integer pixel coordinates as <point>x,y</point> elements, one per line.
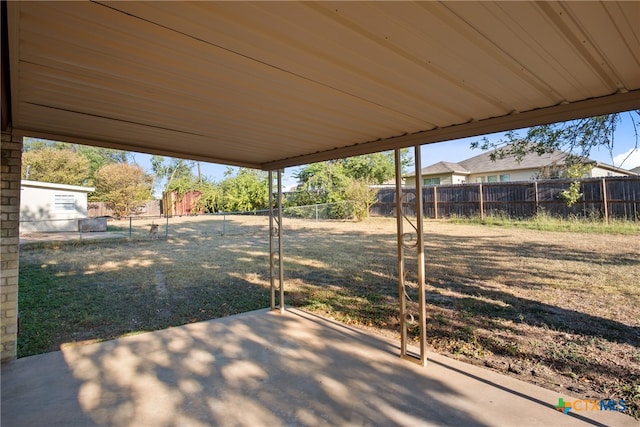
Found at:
<point>266,369</point>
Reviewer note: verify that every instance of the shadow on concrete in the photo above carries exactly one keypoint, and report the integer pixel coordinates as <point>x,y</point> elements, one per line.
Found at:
<point>262,368</point>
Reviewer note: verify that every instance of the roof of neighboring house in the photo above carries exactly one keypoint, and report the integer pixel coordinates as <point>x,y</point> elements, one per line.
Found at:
<point>54,186</point>
<point>483,162</point>
<point>444,167</point>
<point>613,168</point>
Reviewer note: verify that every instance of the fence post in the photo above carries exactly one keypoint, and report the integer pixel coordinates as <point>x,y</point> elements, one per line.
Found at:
<point>435,202</point>
<point>536,199</point>
<point>316,213</point>
<point>481,202</point>
<point>130,227</point>
<point>166,229</point>
<point>224,223</point>
<point>605,207</point>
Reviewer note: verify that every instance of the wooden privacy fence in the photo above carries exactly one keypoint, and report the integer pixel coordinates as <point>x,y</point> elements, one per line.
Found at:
<point>149,208</point>
<point>175,204</point>
<point>608,198</point>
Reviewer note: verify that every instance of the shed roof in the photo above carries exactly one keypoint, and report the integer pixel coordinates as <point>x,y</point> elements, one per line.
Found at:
<point>276,84</point>
<point>54,186</point>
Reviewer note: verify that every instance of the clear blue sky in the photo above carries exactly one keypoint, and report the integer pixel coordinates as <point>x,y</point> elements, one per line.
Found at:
<point>458,150</point>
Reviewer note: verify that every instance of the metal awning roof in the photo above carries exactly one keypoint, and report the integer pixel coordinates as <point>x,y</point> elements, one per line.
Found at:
<point>270,85</point>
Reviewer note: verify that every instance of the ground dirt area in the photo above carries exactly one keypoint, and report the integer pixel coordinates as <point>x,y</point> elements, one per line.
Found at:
<point>554,308</point>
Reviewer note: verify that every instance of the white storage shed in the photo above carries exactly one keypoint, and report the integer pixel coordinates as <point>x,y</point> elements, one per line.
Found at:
<point>47,207</point>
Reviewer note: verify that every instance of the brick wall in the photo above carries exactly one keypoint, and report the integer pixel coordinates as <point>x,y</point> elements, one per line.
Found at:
<point>11,153</point>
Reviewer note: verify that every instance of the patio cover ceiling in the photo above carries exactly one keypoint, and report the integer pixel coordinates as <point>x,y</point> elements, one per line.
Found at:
<point>271,85</point>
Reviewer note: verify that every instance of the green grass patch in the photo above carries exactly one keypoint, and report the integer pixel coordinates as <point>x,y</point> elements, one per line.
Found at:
<point>544,222</point>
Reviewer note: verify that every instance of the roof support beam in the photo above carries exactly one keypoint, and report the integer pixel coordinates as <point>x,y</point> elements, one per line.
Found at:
<point>128,147</point>
<point>592,107</point>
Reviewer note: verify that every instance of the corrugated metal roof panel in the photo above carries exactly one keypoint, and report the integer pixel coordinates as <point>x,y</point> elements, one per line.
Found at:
<point>275,84</point>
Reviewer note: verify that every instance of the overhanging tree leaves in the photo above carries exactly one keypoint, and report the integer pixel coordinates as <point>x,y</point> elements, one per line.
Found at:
<point>577,138</point>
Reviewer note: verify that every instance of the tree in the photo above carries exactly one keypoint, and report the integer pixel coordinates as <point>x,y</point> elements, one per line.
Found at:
<point>34,144</point>
<point>320,183</point>
<point>96,156</point>
<point>376,168</point>
<point>122,186</point>
<point>171,169</point>
<point>59,166</point>
<point>247,190</point>
<point>210,194</point>
<point>99,156</point>
<point>343,183</point>
<point>577,138</point>
<point>361,196</point>
<point>373,168</point>
<point>572,195</point>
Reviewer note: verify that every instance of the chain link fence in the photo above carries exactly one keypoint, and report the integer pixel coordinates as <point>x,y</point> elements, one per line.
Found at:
<point>140,228</point>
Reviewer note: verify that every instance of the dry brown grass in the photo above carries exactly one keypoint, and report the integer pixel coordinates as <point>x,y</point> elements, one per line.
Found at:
<point>557,309</point>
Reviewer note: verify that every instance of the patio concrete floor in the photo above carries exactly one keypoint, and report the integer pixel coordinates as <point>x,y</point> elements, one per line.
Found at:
<point>266,369</point>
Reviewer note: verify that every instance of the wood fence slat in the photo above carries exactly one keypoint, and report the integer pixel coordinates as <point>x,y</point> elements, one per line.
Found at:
<point>610,197</point>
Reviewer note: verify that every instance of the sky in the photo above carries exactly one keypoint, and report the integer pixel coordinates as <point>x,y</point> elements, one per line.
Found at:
<point>624,154</point>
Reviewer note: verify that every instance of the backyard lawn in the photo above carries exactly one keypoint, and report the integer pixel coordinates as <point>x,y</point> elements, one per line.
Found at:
<point>559,309</point>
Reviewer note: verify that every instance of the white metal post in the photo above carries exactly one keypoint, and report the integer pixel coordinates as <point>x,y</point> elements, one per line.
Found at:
<point>406,241</point>
<point>276,267</point>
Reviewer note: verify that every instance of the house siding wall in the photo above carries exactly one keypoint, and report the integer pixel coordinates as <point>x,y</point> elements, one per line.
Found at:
<point>444,179</point>
<point>458,179</point>
<point>514,175</point>
<point>11,154</point>
<point>38,212</point>
<point>600,172</point>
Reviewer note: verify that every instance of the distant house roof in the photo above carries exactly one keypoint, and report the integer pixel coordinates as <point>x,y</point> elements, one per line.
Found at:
<point>444,167</point>
<point>483,163</point>
<point>54,186</point>
<point>613,168</point>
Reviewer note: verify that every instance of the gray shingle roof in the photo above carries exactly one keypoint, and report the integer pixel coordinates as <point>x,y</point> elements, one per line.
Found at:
<point>444,167</point>
<point>483,163</point>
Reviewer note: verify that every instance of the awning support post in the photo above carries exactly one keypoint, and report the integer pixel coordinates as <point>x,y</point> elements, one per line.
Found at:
<point>412,298</point>
<point>276,270</point>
